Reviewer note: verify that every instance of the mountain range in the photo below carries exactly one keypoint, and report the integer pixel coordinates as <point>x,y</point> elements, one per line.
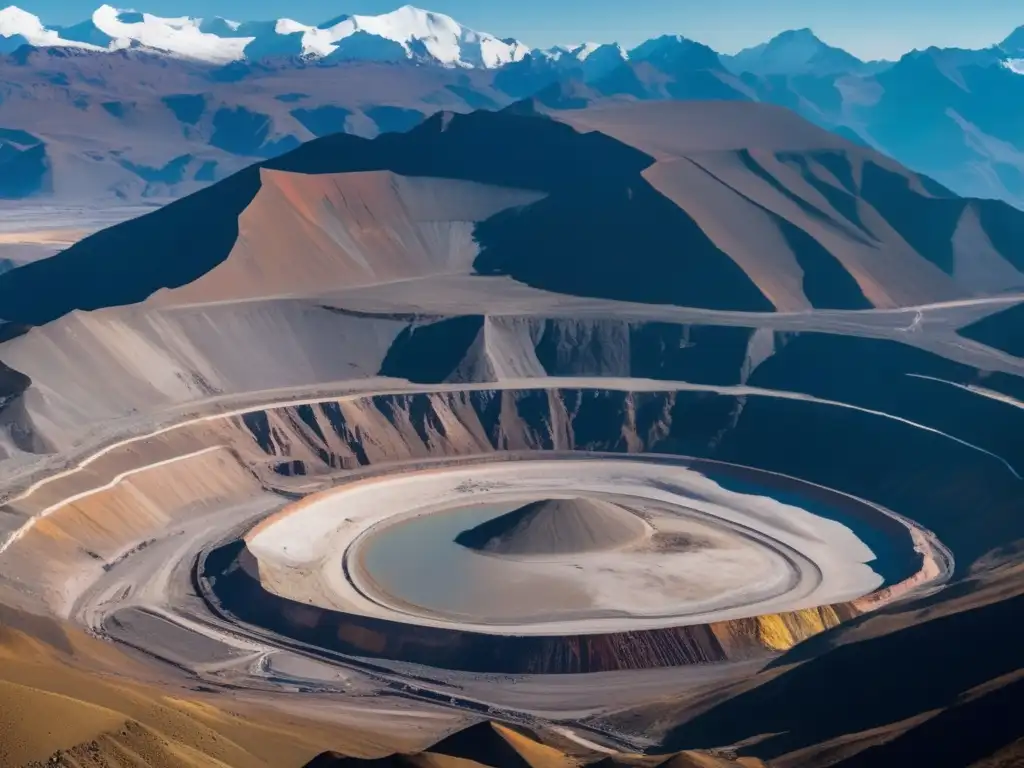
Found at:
<point>130,105</point>
<point>406,33</point>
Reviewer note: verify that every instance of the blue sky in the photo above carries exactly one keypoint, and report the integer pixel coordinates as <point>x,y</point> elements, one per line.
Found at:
<point>867,28</point>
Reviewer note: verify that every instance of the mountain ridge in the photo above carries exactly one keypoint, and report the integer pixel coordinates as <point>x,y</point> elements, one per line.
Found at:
<point>796,51</point>
<point>829,225</point>
<point>414,33</point>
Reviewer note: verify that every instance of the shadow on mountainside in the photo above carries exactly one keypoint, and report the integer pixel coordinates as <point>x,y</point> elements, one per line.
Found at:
<point>581,242</point>
<point>498,746</point>
<point>1003,331</point>
<point>880,681</point>
<point>179,243</point>
<point>601,229</point>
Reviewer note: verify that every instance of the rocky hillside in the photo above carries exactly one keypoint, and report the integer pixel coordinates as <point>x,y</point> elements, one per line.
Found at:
<point>557,201</point>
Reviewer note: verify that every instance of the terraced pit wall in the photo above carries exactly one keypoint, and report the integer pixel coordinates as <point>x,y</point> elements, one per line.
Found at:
<point>881,458</point>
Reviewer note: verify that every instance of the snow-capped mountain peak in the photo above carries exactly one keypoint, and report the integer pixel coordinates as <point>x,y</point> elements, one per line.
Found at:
<point>410,33</point>
<point>182,36</point>
<point>18,27</point>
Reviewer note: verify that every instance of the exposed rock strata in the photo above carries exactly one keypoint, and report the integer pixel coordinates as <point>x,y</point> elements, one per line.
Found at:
<point>292,447</point>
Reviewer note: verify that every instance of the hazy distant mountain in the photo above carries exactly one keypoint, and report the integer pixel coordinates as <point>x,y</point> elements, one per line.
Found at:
<point>796,52</point>
<point>672,67</point>
<point>540,69</point>
<point>958,115</point>
<point>590,60</point>
<point>133,124</point>
<point>676,52</point>
<point>1014,42</point>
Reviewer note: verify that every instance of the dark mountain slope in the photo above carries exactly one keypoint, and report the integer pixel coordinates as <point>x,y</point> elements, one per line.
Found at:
<point>721,205</point>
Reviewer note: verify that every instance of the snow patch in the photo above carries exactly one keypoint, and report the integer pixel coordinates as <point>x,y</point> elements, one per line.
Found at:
<point>16,24</point>
<point>182,36</point>
<point>1014,65</point>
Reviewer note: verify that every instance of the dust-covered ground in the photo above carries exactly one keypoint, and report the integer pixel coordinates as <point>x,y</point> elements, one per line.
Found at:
<point>31,231</point>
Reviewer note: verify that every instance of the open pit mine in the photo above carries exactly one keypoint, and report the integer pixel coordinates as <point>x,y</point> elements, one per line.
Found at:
<point>619,427</point>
